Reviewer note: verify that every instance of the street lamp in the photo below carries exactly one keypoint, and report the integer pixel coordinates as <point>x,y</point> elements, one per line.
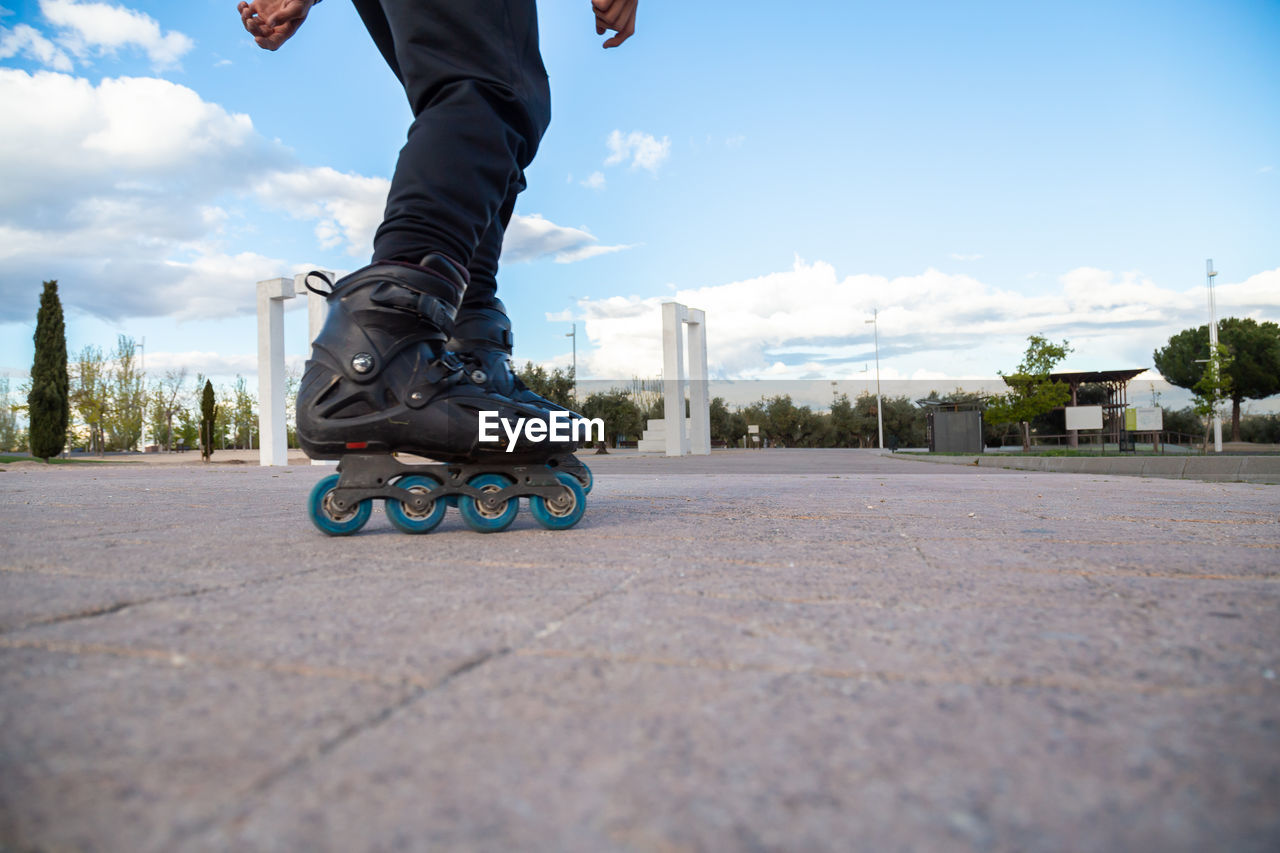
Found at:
<point>142,368</point>
<point>574,335</point>
<point>1213,352</point>
<point>875,328</point>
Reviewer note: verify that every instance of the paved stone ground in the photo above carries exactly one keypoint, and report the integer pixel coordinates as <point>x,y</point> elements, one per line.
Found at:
<point>781,650</point>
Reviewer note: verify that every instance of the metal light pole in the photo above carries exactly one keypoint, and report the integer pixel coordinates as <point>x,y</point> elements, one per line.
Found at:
<point>574,335</point>
<point>142,368</point>
<point>875,328</point>
<point>1210,272</point>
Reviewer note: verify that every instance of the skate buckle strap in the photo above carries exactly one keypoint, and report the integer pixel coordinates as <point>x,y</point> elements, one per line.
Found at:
<point>436,311</point>
<point>426,382</point>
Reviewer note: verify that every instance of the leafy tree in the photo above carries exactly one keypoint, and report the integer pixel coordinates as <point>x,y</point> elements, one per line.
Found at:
<point>843,422</point>
<point>620,414</point>
<point>208,419</point>
<point>1262,429</point>
<point>903,423</point>
<point>89,394</point>
<point>126,396</point>
<point>556,386</point>
<point>1213,388</point>
<point>1031,391</point>
<point>187,435</point>
<point>242,414</point>
<point>292,380</point>
<point>1184,421</point>
<point>726,426</point>
<point>1255,368</point>
<point>165,405</point>
<point>786,422</point>
<point>9,437</point>
<point>48,401</point>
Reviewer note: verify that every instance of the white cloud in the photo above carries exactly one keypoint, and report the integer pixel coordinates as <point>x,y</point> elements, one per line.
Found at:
<point>103,29</point>
<point>643,150</point>
<point>125,192</point>
<point>809,323</point>
<point>347,207</point>
<point>24,40</point>
<point>533,236</point>
<point>959,257</point>
<point>595,181</point>
<point>113,190</point>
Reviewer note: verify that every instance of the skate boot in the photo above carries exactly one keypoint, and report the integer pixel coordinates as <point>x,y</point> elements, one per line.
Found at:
<point>482,339</point>
<point>380,382</point>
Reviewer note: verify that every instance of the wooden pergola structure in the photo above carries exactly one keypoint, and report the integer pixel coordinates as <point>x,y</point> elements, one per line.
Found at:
<point>1117,384</point>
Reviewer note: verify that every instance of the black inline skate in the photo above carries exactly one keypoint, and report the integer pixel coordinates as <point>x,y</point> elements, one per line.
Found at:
<point>380,382</point>
<point>482,339</point>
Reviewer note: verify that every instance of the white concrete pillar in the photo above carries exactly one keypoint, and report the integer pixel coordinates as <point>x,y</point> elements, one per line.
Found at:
<point>317,311</point>
<point>317,306</point>
<point>676,378</point>
<point>273,438</point>
<point>273,431</point>
<point>673,377</point>
<point>699,399</point>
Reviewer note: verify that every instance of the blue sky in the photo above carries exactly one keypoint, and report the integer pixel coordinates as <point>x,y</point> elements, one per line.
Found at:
<point>976,173</point>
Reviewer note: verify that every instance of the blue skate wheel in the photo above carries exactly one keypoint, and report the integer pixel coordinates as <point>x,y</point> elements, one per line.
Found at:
<point>590,481</point>
<point>410,520</point>
<point>483,519</point>
<point>328,518</point>
<point>564,510</point>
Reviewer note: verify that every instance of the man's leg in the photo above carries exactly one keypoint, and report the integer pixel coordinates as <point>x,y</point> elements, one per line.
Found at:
<point>475,81</point>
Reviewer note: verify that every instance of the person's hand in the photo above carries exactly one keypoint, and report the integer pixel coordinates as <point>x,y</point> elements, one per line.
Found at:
<point>617,15</point>
<point>272,22</point>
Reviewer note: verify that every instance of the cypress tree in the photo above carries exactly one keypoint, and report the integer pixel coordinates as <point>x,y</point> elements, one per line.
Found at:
<point>208,414</point>
<point>49,401</point>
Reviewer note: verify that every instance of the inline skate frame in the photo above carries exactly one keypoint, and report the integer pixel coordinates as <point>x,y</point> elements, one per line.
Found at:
<point>380,382</point>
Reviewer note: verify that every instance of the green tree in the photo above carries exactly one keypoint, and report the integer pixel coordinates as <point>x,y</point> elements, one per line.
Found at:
<point>208,419</point>
<point>1262,429</point>
<point>1184,421</point>
<point>187,433</point>
<point>1032,392</point>
<point>49,401</point>
<point>726,426</point>
<point>556,386</point>
<point>903,423</point>
<point>242,415</point>
<point>126,396</point>
<point>1255,367</point>
<point>166,394</point>
<point>1213,389</point>
<point>620,414</point>
<point>844,427</point>
<point>9,438</point>
<point>89,394</point>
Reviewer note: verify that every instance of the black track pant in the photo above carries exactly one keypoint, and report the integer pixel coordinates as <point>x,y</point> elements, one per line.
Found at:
<point>475,81</point>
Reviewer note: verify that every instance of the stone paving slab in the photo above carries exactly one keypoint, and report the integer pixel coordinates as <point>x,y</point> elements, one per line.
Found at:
<point>772,650</point>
